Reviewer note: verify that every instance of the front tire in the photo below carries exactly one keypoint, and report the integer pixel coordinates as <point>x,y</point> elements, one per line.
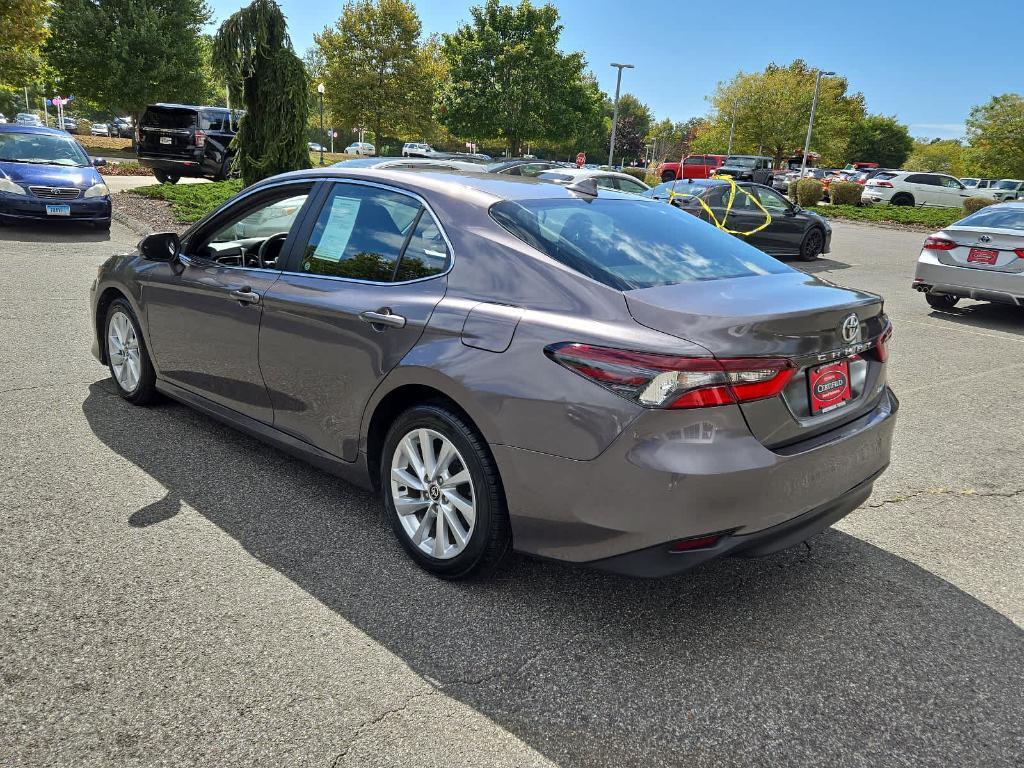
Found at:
<point>443,494</point>
<point>941,300</point>
<point>812,245</point>
<point>127,356</point>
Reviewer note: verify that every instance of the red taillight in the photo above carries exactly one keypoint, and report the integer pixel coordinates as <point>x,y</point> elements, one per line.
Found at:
<point>886,184</point>
<point>698,542</point>
<point>1020,253</point>
<point>882,345</point>
<point>200,138</point>
<point>938,244</point>
<point>669,381</point>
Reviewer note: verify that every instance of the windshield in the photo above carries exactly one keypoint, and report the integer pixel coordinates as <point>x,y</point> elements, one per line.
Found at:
<point>741,162</point>
<point>42,149</point>
<point>996,217</point>
<point>630,244</point>
<point>1007,184</point>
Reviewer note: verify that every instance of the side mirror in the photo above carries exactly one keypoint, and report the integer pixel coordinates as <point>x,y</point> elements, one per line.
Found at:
<point>99,161</point>
<point>160,246</point>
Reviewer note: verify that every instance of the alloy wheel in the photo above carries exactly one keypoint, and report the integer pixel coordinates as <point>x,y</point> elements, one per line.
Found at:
<point>123,351</point>
<point>433,493</point>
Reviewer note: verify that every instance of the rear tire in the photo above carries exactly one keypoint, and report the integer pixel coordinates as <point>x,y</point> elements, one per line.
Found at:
<point>127,356</point>
<point>902,198</point>
<point>667,176</point>
<point>812,245</point>
<point>160,176</point>
<point>454,521</point>
<point>941,300</point>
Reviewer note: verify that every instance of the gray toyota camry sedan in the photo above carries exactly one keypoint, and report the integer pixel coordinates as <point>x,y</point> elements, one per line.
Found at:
<point>571,372</point>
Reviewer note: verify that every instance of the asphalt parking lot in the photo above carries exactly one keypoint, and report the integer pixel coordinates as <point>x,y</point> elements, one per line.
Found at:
<point>175,593</point>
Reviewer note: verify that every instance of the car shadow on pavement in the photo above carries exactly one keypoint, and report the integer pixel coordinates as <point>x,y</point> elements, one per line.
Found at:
<point>821,264</point>
<point>58,231</point>
<point>1005,318</point>
<point>836,653</point>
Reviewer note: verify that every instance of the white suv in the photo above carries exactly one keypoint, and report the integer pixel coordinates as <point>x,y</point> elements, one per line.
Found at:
<point>417,149</point>
<point>926,190</point>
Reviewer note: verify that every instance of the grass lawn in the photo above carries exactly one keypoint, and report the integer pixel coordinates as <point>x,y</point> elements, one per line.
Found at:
<point>936,218</point>
<point>190,202</point>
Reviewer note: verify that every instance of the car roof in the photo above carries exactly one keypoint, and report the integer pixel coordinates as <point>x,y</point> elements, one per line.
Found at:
<point>586,173</point>
<point>428,162</point>
<point>166,105</point>
<point>486,187</point>
<point>16,128</point>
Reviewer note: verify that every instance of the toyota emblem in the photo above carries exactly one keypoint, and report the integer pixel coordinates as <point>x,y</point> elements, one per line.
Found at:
<point>850,329</point>
<point>985,239</point>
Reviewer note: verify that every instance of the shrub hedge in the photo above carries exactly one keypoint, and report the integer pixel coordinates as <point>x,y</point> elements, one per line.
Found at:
<point>972,204</point>
<point>636,173</point>
<point>809,192</point>
<point>845,193</point>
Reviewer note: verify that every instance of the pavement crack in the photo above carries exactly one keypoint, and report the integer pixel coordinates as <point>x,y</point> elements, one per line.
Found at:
<point>946,492</point>
<point>371,723</point>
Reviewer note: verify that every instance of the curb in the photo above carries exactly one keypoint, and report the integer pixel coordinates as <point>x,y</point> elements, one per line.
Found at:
<point>136,226</point>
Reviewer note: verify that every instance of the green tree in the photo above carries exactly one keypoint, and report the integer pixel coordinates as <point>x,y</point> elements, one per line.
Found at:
<point>254,54</point>
<point>377,74</point>
<point>772,108</point>
<point>671,141</point>
<point>880,139</point>
<point>939,155</point>
<point>23,31</point>
<point>996,134</point>
<point>508,79</point>
<point>125,54</point>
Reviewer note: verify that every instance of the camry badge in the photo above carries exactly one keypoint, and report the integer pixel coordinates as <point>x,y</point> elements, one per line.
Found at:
<point>850,329</point>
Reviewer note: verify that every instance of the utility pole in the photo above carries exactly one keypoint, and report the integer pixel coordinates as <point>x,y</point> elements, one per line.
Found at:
<point>810,123</point>
<point>320,90</point>
<point>615,109</point>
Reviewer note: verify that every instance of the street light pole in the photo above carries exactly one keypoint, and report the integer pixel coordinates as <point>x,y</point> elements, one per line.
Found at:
<point>615,109</point>
<point>323,138</point>
<point>810,123</point>
<point>732,128</point>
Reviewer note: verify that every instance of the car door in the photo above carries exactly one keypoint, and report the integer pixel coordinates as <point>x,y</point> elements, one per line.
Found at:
<point>203,311</point>
<point>361,284</point>
<point>782,237</point>
<point>744,216</point>
<point>954,192</point>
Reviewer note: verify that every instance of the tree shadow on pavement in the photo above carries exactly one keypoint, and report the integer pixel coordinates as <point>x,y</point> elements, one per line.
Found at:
<point>838,654</point>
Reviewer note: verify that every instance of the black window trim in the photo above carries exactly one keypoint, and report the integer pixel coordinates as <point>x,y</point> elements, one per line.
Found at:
<point>303,232</point>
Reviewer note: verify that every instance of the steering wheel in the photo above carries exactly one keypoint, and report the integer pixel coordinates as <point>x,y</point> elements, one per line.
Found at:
<point>261,254</point>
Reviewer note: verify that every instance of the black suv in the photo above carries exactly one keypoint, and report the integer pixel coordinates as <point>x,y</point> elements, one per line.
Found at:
<point>756,168</point>
<point>178,140</point>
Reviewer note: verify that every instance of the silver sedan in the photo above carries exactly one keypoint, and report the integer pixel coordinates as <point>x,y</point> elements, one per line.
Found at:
<point>978,257</point>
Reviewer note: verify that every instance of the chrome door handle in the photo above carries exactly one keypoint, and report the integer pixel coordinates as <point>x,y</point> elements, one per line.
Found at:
<point>245,295</point>
<point>383,316</point>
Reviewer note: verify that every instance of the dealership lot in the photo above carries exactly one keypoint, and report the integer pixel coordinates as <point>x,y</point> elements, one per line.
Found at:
<point>176,593</point>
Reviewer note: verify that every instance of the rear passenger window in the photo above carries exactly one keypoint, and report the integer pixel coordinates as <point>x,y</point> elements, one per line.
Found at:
<point>366,233</point>
<point>360,233</point>
<point>427,252</point>
<point>214,121</point>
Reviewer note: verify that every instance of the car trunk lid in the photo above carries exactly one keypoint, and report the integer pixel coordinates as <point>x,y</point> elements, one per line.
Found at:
<point>790,315</point>
<point>987,248</point>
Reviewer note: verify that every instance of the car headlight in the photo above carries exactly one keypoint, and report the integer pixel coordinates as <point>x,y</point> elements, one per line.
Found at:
<point>8,186</point>
<point>97,190</point>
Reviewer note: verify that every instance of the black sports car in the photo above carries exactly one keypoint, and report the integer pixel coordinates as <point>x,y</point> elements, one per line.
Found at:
<point>793,231</point>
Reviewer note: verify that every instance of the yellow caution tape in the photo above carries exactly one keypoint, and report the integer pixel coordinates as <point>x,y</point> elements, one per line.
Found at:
<point>733,189</point>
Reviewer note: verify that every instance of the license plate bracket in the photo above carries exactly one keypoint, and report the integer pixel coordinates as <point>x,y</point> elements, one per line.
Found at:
<point>58,210</point>
<point>829,387</point>
<point>982,256</point>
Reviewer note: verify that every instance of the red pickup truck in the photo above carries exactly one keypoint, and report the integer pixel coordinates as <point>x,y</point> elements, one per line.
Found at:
<point>694,167</point>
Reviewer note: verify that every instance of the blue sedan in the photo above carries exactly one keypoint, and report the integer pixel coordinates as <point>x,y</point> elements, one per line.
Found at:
<point>46,175</point>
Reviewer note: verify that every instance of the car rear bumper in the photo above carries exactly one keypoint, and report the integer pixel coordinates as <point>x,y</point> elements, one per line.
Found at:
<point>968,282</point>
<point>29,208</point>
<point>179,166</point>
<point>675,475</point>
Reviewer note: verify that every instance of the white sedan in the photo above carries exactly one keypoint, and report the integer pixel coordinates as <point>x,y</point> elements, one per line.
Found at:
<point>361,148</point>
<point>979,257</point>
<point>99,129</point>
<point>622,182</point>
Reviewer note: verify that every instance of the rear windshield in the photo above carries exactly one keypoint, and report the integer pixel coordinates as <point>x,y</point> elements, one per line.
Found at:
<point>630,244</point>
<point>884,176</point>
<point>169,118</point>
<point>996,217</point>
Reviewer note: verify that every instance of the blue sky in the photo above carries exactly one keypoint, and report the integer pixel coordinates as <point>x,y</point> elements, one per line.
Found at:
<point>927,62</point>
